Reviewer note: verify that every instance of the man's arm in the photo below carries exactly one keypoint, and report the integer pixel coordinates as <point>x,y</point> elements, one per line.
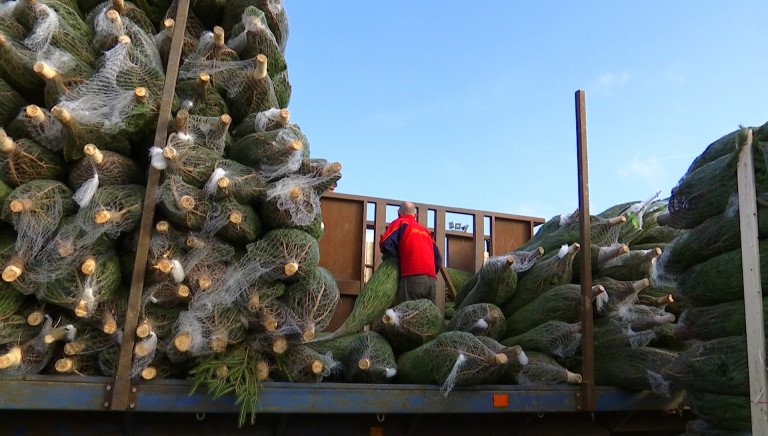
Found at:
<point>390,238</point>
<point>438,258</point>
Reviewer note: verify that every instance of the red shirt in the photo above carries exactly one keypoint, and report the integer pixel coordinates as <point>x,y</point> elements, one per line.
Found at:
<point>413,245</point>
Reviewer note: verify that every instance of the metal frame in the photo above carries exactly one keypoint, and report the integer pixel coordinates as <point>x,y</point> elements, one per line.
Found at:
<point>93,393</point>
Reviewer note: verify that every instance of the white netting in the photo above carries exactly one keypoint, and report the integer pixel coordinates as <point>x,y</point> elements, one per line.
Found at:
<point>113,210</point>
<point>524,260</point>
<point>189,323</point>
<point>209,132</point>
<point>85,192</point>
<point>301,209</point>
<point>601,299</point>
<point>212,185</point>
<point>642,317</point>
<point>107,98</point>
<point>637,211</point>
<point>264,120</point>
<point>659,277</point>
<point>156,158</point>
<point>144,352</point>
<point>39,39</point>
<point>188,160</point>
<point>6,9</point>
<point>660,387</point>
<point>228,75</point>
<point>36,223</point>
<point>612,255</point>
<point>313,299</point>
<point>31,356</point>
<point>543,370</point>
<point>251,23</point>
<point>450,380</point>
<point>48,132</point>
<point>276,9</point>
<point>303,364</point>
<point>63,252</point>
<point>107,28</point>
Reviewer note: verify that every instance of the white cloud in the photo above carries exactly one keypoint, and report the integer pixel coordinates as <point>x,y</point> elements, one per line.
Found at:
<point>608,82</point>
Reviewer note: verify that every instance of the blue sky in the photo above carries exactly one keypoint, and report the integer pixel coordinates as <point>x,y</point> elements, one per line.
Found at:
<point>471,104</point>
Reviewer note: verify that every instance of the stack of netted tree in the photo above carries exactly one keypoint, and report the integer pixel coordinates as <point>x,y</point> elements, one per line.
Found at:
<point>537,290</point>
<point>233,284</point>
<point>704,264</point>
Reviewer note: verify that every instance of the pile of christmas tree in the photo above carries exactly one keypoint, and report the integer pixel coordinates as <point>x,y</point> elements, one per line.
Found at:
<point>704,264</point>
<point>233,286</point>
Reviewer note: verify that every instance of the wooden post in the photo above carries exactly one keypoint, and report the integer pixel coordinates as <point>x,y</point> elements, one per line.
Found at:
<point>753,299</point>
<point>587,394</point>
<point>479,240</point>
<point>122,386</point>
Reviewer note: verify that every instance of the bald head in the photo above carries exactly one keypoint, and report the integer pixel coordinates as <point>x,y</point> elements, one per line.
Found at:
<point>407,208</point>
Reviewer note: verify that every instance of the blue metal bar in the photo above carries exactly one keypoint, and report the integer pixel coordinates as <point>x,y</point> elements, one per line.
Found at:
<point>333,398</point>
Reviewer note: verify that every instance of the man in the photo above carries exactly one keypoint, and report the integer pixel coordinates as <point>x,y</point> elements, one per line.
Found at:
<point>417,253</point>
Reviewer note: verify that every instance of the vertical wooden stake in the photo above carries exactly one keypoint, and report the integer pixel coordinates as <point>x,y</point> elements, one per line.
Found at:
<point>122,386</point>
<point>753,299</point>
<point>588,400</point>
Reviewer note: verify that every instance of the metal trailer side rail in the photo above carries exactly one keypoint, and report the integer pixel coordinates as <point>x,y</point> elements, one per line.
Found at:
<point>176,396</point>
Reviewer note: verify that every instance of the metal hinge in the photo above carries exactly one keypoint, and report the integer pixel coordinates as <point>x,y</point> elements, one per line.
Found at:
<point>133,395</point>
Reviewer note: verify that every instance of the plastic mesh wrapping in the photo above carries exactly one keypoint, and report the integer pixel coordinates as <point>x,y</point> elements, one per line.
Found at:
<point>10,101</point>
<point>544,370</point>
<point>24,160</point>
<point>452,359</point>
<point>717,366</point>
<point>704,190</point>
<point>556,338</point>
<point>313,299</point>
<point>725,412</point>
<point>252,36</point>
<point>717,235</point>
<point>182,203</point>
<point>303,364</point>
<point>35,210</point>
<point>562,303</point>
<point>206,131</point>
<point>713,321</point>
<point>231,179</point>
<point>247,86</point>
<point>481,319</point>
<point>544,275</point>
<point>369,359</point>
<point>270,119</point>
<point>611,334</point>
<point>107,98</point>
<point>293,251</point>
<point>182,157</point>
<point>716,280</point>
<point>632,367</point>
<point>114,209</point>
<point>53,38</point>
<point>634,265</point>
<point>496,283</point>
<point>620,292</point>
<point>37,124</point>
<point>29,357</point>
<point>110,168</point>
<point>274,153</point>
<point>197,96</point>
<point>200,333</point>
<point>411,324</point>
<point>642,317</point>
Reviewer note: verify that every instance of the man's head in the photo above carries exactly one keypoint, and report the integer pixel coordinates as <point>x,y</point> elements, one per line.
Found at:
<point>406,208</point>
